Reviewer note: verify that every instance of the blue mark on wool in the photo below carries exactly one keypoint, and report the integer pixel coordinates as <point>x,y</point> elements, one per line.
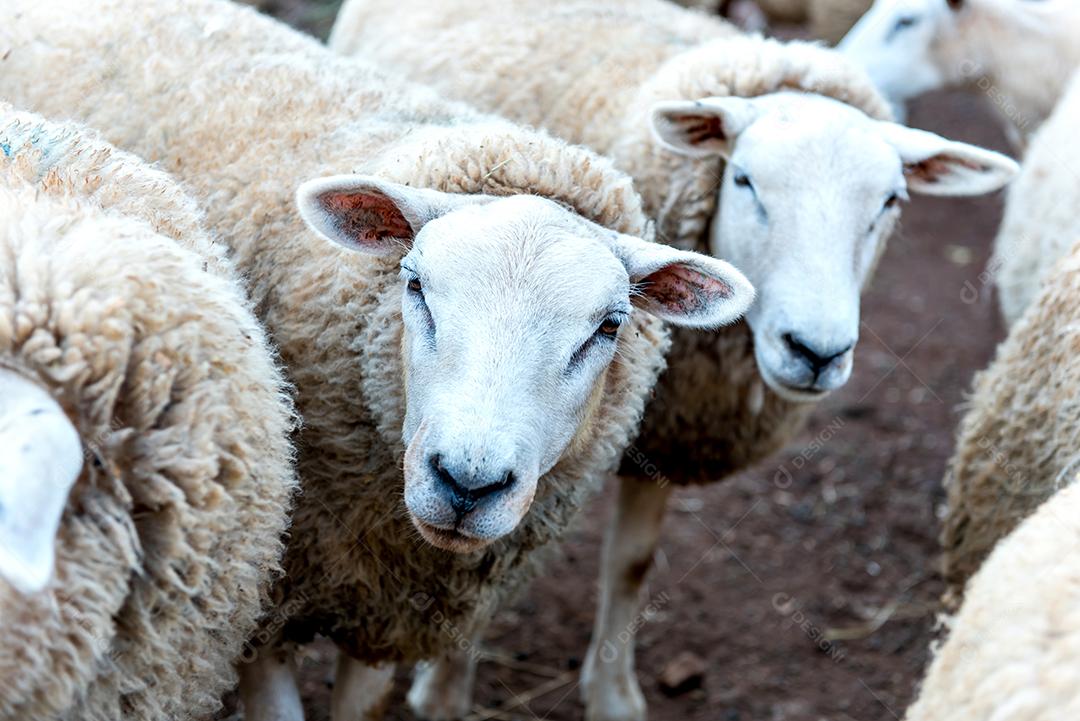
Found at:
<point>49,149</point>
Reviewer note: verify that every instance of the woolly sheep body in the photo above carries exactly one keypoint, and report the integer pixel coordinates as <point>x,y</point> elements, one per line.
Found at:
<point>592,71</point>
<point>1012,648</point>
<point>243,109</point>
<point>536,72</point>
<point>595,72</point>
<point>1021,436</point>
<point>1041,222</point>
<point>115,300</point>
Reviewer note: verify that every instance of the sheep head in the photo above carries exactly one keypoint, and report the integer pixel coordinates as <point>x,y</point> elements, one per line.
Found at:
<point>910,47</point>
<point>811,190</point>
<point>512,308</point>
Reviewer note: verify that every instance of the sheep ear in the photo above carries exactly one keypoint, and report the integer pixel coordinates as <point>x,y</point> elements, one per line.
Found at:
<point>373,216</point>
<point>702,128</point>
<point>934,165</point>
<point>40,460</point>
<point>683,288</point>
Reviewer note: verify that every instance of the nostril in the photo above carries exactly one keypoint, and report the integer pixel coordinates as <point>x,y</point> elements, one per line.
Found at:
<point>505,482</point>
<point>441,473</point>
<point>801,349</point>
<point>465,492</point>
<point>817,358</point>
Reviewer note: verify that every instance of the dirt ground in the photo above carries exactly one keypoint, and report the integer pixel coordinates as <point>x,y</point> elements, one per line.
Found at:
<point>807,585</point>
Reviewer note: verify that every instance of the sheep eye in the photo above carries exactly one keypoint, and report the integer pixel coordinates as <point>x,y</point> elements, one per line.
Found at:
<point>605,333</point>
<point>892,201</point>
<point>905,22</point>
<point>743,180</point>
<point>416,290</point>
<point>610,327</point>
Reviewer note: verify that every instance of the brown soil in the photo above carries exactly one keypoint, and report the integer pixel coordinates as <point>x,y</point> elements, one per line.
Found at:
<point>755,569</point>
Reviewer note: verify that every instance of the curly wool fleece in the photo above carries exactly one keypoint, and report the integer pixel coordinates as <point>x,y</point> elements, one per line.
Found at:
<point>1013,648</point>
<point>244,109</point>
<point>1020,439</point>
<point>114,299</point>
<point>590,71</point>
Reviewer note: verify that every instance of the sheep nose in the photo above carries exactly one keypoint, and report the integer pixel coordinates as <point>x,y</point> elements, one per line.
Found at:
<point>816,357</point>
<point>465,489</point>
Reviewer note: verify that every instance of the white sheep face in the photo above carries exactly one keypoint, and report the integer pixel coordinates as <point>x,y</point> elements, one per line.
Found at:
<point>898,43</point>
<point>810,191</point>
<point>512,310</point>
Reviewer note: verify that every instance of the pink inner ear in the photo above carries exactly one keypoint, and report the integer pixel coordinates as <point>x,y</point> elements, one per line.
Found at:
<point>699,128</point>
<point>366,217</point>
<point>682,290</point>
<point>936,167</point>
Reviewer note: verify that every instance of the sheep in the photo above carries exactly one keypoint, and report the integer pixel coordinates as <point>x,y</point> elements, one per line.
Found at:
<point>1040,220</point>
<point>1018,440</point>
<point>146,434</point>
<point>1012,649</point>
<point>1008,528</point>
<point>1019,54</point>
<point>670,96</point>
<point>481,347</point>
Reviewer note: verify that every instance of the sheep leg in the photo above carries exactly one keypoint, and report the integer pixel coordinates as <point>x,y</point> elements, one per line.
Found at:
<point>609,685</point>
<point>360,691</point>
<point>443,688</point>
<point>268,687</point>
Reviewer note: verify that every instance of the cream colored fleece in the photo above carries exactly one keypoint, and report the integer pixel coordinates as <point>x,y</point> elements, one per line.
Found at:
<point>114,299</point>
<point>244,109</point>
<point>1020,439</point>
<point>1041,220</point>
<point>1013,649</point>
<point>589,71</point>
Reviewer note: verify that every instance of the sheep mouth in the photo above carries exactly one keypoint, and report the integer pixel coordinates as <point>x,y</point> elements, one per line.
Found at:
<point>806,393</point>
<point>796,394</point>
<point>448,539</point>
<point>791,392</point>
